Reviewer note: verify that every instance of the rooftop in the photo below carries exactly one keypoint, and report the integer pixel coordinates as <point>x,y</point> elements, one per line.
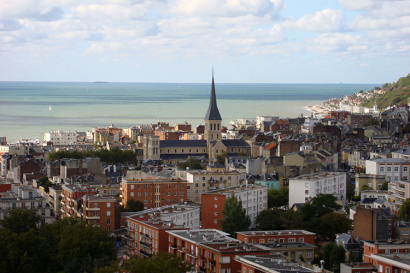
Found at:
<point>268,263</point>
<point>276,232</point>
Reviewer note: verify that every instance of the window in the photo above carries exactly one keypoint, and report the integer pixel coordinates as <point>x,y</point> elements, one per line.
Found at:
<point>216,198</point>
<point>216,213</point>
<point>404,169</point>
<point>387,251</point>
<point>108,221</point>
<point>306,191</point>
<point>309,254</point>
<point>261,241</point>
<point>381,169</point>
<point>387,269</point>
<point>108,213</point>
<point>244,269</point>
<point>132,194</point>
<point>301,240</point>
<point>132,187</point>
<point>216,206</point>
<point>389,169</point>
<point>108,205</point>
<point>216,221</point>
<point>292,240</point>
<point>396,169</point>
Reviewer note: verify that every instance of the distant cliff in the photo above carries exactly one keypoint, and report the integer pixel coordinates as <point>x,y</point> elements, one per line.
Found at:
<point>391,94</point>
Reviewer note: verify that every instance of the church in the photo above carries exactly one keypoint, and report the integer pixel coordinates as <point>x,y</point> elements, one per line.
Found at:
<point>173,152</point>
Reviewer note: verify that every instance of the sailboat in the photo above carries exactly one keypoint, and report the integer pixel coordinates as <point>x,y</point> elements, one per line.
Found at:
<point>49,108</point>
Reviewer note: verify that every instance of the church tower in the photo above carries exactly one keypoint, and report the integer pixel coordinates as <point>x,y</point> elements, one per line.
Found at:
<point>212,118</point>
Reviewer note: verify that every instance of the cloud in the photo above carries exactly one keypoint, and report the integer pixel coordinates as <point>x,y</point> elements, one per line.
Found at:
<point>326,20</point>
<point>361,4</point>
<point>336,42</point>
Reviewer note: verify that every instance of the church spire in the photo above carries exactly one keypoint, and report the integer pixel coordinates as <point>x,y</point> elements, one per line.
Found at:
<point>213,112</point>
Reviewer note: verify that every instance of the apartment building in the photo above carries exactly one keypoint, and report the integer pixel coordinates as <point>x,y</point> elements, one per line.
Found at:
<point>72,196</point>
<point>254,199</point>
<point>276,236</point>
<point>154,193</point>
<point>398,191</point>
<point>402,153</point>
<point>379,247</point>
<point>147,234</point>
<point>200,182</point>
<point>61,137</point>
<point>100,210</point>
<point>210,250</point>
<point>394,169</point>
<point>25,196</point>
<point>305,187</point>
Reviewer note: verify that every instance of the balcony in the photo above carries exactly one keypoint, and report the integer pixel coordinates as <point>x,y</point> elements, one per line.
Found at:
<point>92,217</point>
<point>92,209</point>
<point>182,250</point>
<point>145,254</point>
<point>146,244</point>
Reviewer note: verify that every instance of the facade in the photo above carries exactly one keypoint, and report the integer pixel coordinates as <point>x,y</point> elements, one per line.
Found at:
<point>399,191</point>
<point>370,248</point>
<point>303,188</point>
<point>276,236</point>
<point>210,250</point>
<point>373,181</point>
<point>394,169</point>
<point>154,193</point>
<point>102,211</point>
<point>402,153</point>
<point>25,196</point>
<point>71,198</point>
<point>254,199</point>
<point>200,182</point>
<point>61,137</point>
<point>372,224</point>
<point>357,268</point>
<point>391,262</point>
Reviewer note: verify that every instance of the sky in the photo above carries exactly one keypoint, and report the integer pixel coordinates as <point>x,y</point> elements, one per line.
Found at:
<point>246,41</point>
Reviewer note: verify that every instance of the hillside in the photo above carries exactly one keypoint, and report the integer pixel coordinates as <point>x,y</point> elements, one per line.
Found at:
<point>394,93</point>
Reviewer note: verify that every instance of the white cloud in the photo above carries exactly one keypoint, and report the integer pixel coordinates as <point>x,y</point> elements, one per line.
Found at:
<point>361,4</point>
<point>335,42</point>
<point>326,20</point>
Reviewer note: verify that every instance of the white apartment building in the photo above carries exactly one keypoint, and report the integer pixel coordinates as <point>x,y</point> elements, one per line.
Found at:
<point>61,137</point>
<point>186,216</point>
<point>394,169</point>
<point>305,187</point>
<point>399,191</point>
<point>200,182</point>
<point>402,153</point>
<point>25,196</point>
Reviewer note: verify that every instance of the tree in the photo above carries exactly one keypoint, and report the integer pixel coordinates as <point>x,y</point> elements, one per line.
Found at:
<point>191,163</point>
<point>234,217</point>
<point>45,183</point>
<point>21,220</point>
<point>332,223</point>
<point>333,255</point>
<point>324,203</point>
<point>134,205</point>
<point>269,219</point>
<point>385,186</point>
<point>221,158</point>
<point>278,198</point>
<point>404,212</point>
<point>160,263</point>
<point>349,192</point>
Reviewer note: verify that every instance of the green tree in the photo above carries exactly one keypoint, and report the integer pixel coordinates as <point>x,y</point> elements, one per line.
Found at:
<point>332,223</point>
<point>134,205</point>
<point>45,183</point>
<point>366,188</point>
<point>291,219</point>
<point>404,212</point>
<point>385,186</point>
<point>278,198</point>
<point>234,217</point>
<point>324,203</point>
<point>333,255</point>
<point>21,220</point>
<point>161,263</point>
<point>191,163</point>
<point>221,158</point>
<point>269,219</point>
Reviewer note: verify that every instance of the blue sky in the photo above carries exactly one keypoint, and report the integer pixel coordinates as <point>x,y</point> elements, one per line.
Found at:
<point>267,41</point>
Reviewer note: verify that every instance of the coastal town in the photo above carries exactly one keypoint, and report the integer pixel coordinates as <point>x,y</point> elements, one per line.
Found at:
<point>328,192</point>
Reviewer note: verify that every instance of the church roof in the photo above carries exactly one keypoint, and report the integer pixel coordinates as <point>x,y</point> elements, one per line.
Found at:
<point>235,143</point>
<point>213,112</point>
<point>181,143</point>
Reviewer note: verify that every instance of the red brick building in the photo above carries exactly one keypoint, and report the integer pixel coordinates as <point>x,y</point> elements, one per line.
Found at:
<point>358,120</point>
<point>391,263</point>
<point>280,125</point>
<point>72,197</point>
<point>101,210</point>
<point>339,115</point>
<point>147,236</point>
<point>168,135</point>
<point>210,250</point>
<point>383,247</point>
<point>154,193</point>
<point>278,236</point>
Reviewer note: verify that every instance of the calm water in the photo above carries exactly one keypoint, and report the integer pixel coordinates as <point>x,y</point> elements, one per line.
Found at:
<point>28,109</point>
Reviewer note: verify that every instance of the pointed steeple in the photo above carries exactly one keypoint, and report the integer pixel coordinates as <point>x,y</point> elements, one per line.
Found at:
<point>213,112</point>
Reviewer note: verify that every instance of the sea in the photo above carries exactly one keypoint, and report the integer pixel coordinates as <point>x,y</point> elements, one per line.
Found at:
<point>28,109</point>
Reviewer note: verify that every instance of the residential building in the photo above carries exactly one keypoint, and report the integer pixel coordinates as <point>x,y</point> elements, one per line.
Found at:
<point>357,267</point>
<point>394,169</point>
<point>154,193</point>
<point>25,196</point>
<point>402,153</point>
<point>100,210</point>
<point>210,250</point>
<point>401,231</point>
<point>372,247</point>
<point>399,191</point>
<point>254,199</point>
<point>303,188</point>
<point>372,181</point>
<point>61,137</point>
<point>72,197</point>
<point>391,263</point>
<point>276,236</point>
<point>372,224</point>
<point>203,181</point>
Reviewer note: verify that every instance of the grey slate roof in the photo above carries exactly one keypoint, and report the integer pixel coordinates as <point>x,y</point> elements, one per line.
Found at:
<point>182,143</point>
<point>213,112</point>
<point>235,143</point>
